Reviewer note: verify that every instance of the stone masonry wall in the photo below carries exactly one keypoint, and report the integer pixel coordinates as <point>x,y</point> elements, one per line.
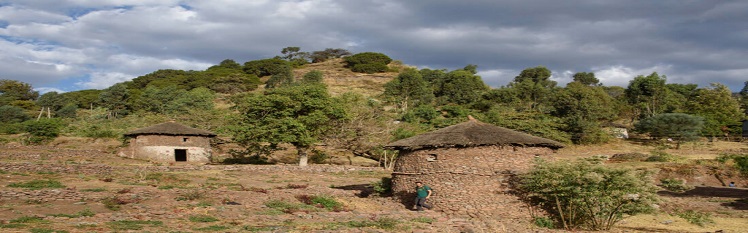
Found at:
<point>161,148</point>
<point>466,181</point>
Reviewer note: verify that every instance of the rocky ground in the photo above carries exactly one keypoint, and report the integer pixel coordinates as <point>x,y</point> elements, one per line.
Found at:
<point>57,189</point>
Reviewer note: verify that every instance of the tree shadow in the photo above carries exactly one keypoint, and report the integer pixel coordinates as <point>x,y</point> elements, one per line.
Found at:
<point>727,192</point>
<point>365,190</point>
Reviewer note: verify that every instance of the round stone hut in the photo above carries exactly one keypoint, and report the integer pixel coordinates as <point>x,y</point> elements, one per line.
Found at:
<point>169,142</point>
<point>468,166</point>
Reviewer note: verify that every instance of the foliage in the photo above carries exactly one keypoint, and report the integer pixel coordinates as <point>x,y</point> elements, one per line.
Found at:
<point>266,67</point>
<point>647,94</point>
<point>532,87</point>
<point>383,187</point>
<point>408,89</point>
<point>587,79</point>
<point>720,111</point>
<point>12,90</point>
<point>82,98</point>
<point>314,76</point>
<point>697,218</point>
<point>585,194</point>
<point>543,222</point>
<point>459,87</point>
<point>328,53</point>
<point>202,218</point>
<point>37,184</point>
<point>533,123</point>
<point>51,100</point>
<point>67,111</point>
<point>680,127</point>
<point>739,161</point>
<point>582,108</point>
<point>43,129</point>
<point>13,114</point>
<point>675,185</point>
<point>115,99</point>
<point>297,114</point>
<point>368,62</point>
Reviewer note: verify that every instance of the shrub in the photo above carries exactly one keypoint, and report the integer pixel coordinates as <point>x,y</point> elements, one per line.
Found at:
<point>202,218</point>
<point>660,156</point>
<point>37,184</point>
<point>368,62</point>
<point>383,187</point>
<point>543,222</point>
<point>369,68</point>
<point>585,194</point>
<point>675,185</point>
<point>740,161</point>
<point>697,218</point>
<point>318,157</point>
<point>266,67</point>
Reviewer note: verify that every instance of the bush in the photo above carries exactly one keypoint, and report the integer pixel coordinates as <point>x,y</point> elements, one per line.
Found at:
<point>13,114</point>
<point>38,184</point>
<point>383,187</point>
<point>696,218</point>
<point>660,156</point>
<point>266,67</point>
<point>318,157</point>
<point>675,185</point>
<point>368,61</point>
<point>369,68</point>
<point>42,130</point>
<point>543,222</point>
<point>585,194</point>
<point>740,161</point>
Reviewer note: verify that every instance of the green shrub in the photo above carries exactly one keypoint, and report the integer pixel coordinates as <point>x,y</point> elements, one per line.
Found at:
<point>318,157</point>
<point>740,162</point>
<point>37,184</point>
<point>368,62</point>
<point>675,185</point>
<point>696,218</point>
<point>369,68</point>
<point>660,156</point>
<point>543,222</point>
<point>582,194</point>
<point>266,67</point>
<point>383,187</point>
<point>202,218</point>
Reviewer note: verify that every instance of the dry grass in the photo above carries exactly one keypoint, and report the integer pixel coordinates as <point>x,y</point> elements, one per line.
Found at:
<point>340,80</point>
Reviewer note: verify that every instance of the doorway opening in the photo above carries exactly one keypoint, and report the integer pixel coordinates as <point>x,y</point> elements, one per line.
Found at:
<point>180,155</point>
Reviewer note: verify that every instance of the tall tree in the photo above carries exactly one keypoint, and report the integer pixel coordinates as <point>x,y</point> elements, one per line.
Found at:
<point>721,112</point>
<point>647,94</point>
<point>680,127</point>
<point>115,99</point>
<point>744,98</point>
<point>459,86</point>
<point>297,114</point>
<point>408,89</point>
<point>586,78</point>
<point>583,108</point>
<point>533,86</point>
<point>12,90</point>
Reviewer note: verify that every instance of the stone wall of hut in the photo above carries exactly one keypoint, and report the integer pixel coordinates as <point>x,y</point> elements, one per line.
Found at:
<point>466,181</point>
<point>162,148</point>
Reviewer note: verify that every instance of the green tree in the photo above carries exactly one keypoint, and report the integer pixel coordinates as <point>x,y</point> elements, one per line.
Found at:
<point>408,89</point>
<point>282,78</point>
<point>328,53</point>
<point>744,98</point>
<point>680,127</point>
<point>586,78</point>
<point>82,98</point>
<point>297,114</point>
<point>13,114</point>
<point>460,87</point>
<point>266,67</point>
<point>295,56</point>
<point>721,112</point>
<point>12,90</point>
<point>52,100</point>
<point>647,94</point>
<point>584,194</point>
<point>533,86</point>
<point>115,99</point>
<point>200,99</point>
<point>43,130</point>
<point>583,108</point>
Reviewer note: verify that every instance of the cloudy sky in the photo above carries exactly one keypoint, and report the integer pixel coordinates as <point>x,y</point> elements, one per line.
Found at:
<point>68,45</point>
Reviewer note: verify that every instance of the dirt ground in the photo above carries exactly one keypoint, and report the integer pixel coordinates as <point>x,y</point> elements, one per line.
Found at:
<point>100,192</point>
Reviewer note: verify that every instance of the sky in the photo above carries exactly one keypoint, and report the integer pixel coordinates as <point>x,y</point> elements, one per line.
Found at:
<point>68,45</point>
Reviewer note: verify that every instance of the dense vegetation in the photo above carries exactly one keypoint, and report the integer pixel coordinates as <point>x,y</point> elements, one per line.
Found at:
<point>297,109</point>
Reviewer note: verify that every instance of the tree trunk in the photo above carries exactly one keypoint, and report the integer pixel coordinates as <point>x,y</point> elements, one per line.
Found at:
<point>303,156</point>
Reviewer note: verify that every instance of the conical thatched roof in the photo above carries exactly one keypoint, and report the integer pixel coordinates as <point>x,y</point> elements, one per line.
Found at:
<point>469,134</point>
<point>170,128</point>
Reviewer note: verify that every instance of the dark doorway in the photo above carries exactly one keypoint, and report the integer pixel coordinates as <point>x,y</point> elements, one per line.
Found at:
<point>180,155</point>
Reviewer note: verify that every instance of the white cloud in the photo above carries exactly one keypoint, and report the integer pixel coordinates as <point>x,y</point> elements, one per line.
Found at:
<point>497,77</point>
<point>100,80</point>
<point>620,75</point>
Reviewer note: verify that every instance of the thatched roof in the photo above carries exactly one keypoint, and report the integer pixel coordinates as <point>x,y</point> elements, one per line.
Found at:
<point>469,134</point>
<point>170,128</point>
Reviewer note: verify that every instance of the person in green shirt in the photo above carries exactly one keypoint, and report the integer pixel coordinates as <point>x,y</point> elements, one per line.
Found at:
<point>423,193</point>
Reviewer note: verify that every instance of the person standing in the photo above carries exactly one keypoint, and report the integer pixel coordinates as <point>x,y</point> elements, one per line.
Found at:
<point>423,193</point>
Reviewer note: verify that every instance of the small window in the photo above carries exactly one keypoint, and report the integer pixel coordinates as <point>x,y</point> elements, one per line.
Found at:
<point>184,139</point>
<point>431,158</point>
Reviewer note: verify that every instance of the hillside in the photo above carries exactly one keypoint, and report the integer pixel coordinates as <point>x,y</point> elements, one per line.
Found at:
<point>340,79</point>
